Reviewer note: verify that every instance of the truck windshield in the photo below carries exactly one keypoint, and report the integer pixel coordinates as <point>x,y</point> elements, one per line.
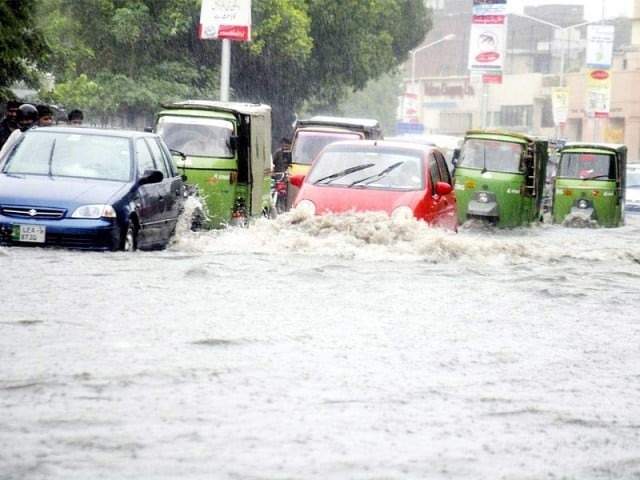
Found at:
<point>194,136</point>
<point>307,144</point>
<point>491,155</point>
<point>587,166</point>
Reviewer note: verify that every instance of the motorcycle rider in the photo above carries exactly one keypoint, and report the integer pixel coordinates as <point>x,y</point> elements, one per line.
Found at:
<point>26,118</point>
<point>279,163</point>
<point>8,123</point>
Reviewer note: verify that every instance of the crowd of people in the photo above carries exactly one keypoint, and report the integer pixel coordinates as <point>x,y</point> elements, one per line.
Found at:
<point>20,116</point>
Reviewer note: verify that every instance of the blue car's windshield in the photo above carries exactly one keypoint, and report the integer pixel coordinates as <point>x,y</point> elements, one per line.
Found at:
<point>71,155</point>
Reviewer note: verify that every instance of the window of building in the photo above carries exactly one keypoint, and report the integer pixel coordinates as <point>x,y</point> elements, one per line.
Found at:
<point>547,114</point>
<point>452,122</point>
<point>516,115</point>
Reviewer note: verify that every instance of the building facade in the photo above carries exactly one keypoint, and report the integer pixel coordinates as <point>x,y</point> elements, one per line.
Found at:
<point>545,48</point>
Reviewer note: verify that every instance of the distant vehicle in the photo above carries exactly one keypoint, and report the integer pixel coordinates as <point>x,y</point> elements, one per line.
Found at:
<point>632,194</point>
<point>405,180</point>
<point>447,144</point>
<point>225,150</point>
<point>312,135</point>
<point>590,181</point>
<point>500,178</point>
<point>89,188</point>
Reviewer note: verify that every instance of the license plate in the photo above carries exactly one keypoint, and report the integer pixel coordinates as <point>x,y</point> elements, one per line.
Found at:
<point>28,233</point>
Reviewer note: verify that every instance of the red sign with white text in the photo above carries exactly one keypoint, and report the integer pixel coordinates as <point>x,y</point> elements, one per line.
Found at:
<point>225,19</point>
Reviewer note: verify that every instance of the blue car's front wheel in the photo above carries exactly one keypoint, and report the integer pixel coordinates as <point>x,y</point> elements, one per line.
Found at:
<point>128,243</point>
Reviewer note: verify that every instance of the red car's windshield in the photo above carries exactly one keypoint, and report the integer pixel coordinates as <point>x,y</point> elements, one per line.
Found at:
<point>368,168</point>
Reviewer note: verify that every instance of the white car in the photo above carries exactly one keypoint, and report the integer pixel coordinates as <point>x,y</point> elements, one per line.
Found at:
<point>632,192</point>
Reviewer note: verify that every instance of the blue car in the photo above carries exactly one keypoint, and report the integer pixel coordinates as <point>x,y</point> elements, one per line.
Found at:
<point>89,188</point>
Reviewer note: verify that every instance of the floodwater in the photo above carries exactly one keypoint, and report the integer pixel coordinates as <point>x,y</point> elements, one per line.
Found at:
<point>328,348</point>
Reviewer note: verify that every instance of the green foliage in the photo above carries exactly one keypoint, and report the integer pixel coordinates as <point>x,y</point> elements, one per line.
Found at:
<point>379,100</point>
<point>22,46</point>
<point>126,57</point>
<point>352,42</point>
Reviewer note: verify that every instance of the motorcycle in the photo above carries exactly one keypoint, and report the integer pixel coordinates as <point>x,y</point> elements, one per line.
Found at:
<point>279,182</point>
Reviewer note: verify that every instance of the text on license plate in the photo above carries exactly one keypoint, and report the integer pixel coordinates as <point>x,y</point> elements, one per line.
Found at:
<point>28,233</point>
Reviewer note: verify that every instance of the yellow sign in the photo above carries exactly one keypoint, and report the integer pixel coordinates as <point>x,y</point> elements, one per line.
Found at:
<point>560,105</point>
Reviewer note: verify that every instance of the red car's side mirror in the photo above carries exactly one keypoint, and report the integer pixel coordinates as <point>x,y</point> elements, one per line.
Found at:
<point>443,188</point>
<point>297,180</point>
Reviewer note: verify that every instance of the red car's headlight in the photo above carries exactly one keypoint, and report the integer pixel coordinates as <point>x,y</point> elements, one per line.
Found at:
<point>306,207</point>
<point>402,213</point>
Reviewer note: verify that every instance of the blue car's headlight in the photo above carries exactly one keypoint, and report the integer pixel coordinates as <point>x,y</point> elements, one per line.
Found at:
<point>94,211</point>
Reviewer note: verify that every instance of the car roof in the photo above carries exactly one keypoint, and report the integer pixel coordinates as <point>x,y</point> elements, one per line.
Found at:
<point>216,105</point>
<point>109,132</point>
<point>596,145</point>
<point>344,122</point>
<point>373,144</point>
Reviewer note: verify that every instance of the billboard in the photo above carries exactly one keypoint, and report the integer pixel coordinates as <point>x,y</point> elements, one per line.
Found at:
<point>488,38</point>
<point>600,46</point>
<point>560,105</point>
<point>225,19</point>
<point>598,93</point>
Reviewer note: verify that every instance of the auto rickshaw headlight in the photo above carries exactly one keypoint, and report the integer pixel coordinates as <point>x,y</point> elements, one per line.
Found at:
<point>582,203</point>
<point>483,197</point>
<point>402,213</point>
<point>306,207</point>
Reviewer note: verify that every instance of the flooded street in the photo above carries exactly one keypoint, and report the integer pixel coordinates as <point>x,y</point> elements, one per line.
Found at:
<point>329,348</point>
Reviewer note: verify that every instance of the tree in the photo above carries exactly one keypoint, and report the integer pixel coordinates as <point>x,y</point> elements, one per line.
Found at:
<point>119,60</point>
<point>23,49</point>
<point>328,48</point>
<point>141,53</point>
<point>379,100</point>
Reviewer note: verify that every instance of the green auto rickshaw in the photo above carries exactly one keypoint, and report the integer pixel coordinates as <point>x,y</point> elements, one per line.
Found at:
<point>590,182</point>
<point>224,149</point>
<point>500,178</point>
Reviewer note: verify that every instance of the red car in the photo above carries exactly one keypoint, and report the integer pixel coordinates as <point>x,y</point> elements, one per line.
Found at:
<point>400,178</point>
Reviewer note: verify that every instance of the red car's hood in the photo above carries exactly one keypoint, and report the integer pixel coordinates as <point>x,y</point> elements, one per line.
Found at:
<point>345,199</point>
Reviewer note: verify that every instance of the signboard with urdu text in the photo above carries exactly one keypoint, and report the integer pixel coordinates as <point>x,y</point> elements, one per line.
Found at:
<point>225,19</point>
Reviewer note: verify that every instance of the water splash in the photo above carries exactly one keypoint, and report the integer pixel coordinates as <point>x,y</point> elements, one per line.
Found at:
<point>375,236</point>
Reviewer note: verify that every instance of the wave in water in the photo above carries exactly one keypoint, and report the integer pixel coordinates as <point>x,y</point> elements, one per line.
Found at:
<point>375,236</point>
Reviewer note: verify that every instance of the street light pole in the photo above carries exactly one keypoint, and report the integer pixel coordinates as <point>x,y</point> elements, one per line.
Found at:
<point>411,99</point>
<point>451,36</point>
<point>562,29</point>
<point>562,48</point>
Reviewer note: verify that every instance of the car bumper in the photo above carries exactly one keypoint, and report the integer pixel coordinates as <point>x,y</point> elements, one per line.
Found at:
<point>632,207</point>
<point>68,233</point>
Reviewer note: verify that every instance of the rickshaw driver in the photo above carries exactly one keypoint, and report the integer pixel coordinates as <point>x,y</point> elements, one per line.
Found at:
<point>594,166</point>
